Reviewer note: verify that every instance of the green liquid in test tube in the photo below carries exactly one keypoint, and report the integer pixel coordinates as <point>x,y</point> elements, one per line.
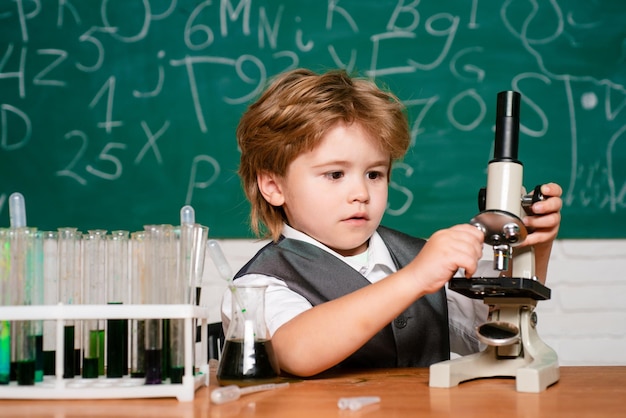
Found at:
<point>35,267</point>
<point>5,352</point>
<point>93,272</point>
<point>5,326</point>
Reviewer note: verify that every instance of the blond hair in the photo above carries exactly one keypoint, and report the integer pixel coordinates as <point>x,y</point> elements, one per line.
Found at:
<point>293,115</point>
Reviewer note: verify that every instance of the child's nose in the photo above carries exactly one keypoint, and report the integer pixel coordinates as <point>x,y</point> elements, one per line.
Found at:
<point>359,192</point>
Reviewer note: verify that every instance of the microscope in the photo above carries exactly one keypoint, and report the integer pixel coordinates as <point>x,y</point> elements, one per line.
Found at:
<point>514,348</point>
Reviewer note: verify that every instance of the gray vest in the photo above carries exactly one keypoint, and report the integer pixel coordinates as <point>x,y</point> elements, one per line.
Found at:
<point>416,338</point>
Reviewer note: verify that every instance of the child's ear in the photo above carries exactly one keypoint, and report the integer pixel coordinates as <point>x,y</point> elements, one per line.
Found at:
<point>270,187</point>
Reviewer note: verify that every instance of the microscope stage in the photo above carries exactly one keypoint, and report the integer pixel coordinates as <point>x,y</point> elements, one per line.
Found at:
<point>499,287</point>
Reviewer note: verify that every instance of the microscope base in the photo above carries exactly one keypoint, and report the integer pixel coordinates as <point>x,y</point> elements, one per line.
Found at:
<point>534,369</point>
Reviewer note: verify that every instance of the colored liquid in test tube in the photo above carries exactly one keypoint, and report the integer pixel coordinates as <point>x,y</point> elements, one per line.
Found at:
<point>68,256</point>
<point>94,260</point>
<point>117,293</point>
<point>36,265</point>
<point>153,294</point>
<point>5,326</point>
<point>21,276</point>
<point>51,297</point>
<point>5,352</point>
<point>23,338</point>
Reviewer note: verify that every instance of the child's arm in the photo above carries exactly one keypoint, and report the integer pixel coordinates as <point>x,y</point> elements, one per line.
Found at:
<point>325,335</point>
<point>545,224</point>
<point>328,333</point>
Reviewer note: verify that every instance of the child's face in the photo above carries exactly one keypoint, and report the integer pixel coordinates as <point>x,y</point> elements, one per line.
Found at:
<point>337,193</point>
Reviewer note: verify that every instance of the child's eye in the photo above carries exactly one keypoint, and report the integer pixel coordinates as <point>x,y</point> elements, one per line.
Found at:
<point>334,175</point>
<point>373,175</point>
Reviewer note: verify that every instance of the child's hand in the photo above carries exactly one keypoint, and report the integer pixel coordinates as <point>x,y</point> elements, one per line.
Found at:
<point>546,217</point>
<point>447,251</point>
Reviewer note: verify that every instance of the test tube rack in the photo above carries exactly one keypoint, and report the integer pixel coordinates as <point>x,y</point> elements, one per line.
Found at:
<point>57,387</point>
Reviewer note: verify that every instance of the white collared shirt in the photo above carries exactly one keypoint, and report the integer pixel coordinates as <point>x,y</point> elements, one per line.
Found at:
<point>282,304</point>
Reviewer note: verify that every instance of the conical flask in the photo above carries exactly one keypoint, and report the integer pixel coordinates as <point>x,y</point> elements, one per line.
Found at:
<point>248,357</point>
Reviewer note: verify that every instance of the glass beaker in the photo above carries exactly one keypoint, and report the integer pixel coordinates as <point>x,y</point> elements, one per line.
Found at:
<point>248,357</point>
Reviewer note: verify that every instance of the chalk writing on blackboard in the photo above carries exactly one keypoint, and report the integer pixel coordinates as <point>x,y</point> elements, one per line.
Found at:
<point>140,99</point>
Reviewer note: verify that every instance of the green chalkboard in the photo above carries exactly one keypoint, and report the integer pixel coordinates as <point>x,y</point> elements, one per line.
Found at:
<point>116,113</point>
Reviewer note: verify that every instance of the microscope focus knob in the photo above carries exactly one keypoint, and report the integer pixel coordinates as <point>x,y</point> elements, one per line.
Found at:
<point>482,199</point>
<point>500,227</point>
<point>511,232</point>
<point>530,199</point>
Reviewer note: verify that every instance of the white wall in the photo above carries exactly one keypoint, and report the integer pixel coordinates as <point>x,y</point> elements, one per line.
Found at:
<point>584,321</point>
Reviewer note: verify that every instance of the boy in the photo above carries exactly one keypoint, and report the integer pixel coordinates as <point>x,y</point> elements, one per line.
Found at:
<point>316,154</point>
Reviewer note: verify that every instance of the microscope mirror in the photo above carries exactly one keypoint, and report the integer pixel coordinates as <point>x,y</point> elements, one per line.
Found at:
<point>498,333</point>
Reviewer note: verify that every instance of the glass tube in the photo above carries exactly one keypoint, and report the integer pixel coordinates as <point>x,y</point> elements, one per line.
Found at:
<point>193,244</point>
<point>137,289</point>
<point>201,234</point>
<point>51,297</point>
<point>78,298</point>
<point>191,251</point>
<point>179,293</point>
<point>35,265</point>
<point>5,326</point>
<point>22,338</point>
<point>169,260</point>
<point>94,286</point>
<point>68,284</point>
<point>153,295</point>
<point>117,293</point>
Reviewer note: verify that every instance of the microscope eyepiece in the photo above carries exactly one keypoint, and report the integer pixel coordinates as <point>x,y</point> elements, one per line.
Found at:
<point>508,104</point>
<point>507,126</point>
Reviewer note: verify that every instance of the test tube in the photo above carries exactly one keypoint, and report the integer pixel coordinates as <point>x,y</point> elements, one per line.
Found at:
<point>5,326</point>
<point>187,226</point>
<point>179,293</point>
<point>169,259</point>
<point>117,293</point>
<point>192,244</point>
<point>78,300</point>
<point>22,337</point>
<point>68,256</point>
<point>137,289</point>
<point>20,277</point>
<point>35,264</point>
<point>94,286</point>
<point>153,294</point>
<point>51,297</point>
<point>201,235</point>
